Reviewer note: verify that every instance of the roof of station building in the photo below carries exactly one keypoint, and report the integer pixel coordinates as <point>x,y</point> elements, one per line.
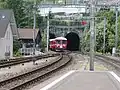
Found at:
<point>27,33</point>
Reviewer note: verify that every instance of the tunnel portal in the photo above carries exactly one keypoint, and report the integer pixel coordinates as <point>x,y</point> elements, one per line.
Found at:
<point>52,36</point>
<point>73,41</point>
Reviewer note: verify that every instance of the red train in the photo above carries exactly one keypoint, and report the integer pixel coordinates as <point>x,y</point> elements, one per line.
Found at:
<point>58,44</point>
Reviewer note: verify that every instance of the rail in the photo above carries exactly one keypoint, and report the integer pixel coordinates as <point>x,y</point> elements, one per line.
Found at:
<point>28,78</point>
<point>111,61</point>
<point>16,61</point>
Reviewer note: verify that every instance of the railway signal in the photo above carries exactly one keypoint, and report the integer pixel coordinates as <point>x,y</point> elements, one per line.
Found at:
<point>83,22</point>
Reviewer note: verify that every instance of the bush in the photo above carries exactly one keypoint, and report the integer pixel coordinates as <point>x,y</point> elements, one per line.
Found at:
<point>16,46</point>
<point>17,54</point>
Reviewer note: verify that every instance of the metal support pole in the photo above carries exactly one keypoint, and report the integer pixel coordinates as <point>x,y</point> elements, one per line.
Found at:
<point>104,34</point>
<point>92,36</point>
<point>34,29</point>
<point>95,30</point>
<point>48,32</point>
<point>95,34</point>
<point>69,27</point>
<point>34,12</point>
<point>116,29</point>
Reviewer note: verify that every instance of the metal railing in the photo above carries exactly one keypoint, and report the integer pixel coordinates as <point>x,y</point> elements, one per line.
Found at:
<point>27,51</point>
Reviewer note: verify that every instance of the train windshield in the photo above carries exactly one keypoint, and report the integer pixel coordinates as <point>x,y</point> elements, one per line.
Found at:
<point>64,41</point>
<point>52,42</point>
<point>58,41</point>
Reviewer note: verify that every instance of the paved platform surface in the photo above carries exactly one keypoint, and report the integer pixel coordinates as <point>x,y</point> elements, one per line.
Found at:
<point>77,80</point>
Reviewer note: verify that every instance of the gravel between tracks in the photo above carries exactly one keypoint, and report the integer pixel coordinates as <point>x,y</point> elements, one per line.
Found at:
<point>75,64</point>
<point>7,72</point>
<point>110,67</point>
<point>39,72</point>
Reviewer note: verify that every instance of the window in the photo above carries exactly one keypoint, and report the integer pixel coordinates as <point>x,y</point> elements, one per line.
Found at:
<point>29,45</point>
<point>8,35</point>
<point>64,42</point>
<point>58,42</point>
<point>8,48</point>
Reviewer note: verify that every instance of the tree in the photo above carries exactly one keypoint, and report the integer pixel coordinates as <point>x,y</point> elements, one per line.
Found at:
<point>29,9</point>
<point>18,8</point>
<point>23,10</point>
<point>2,3</point>
<point>16,45</point>
<point>110,31</point>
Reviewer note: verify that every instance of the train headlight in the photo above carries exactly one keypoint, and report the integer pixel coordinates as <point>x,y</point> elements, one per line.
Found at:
<point>61,46</point>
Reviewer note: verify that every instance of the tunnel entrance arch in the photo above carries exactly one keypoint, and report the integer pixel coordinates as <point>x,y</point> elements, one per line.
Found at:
<point>52,36</point>
<point>73,41</point>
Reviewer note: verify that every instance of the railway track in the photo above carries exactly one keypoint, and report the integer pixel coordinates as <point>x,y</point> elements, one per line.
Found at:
<point>21,81</point>
<point>113,62</point>
<point>11,62</point>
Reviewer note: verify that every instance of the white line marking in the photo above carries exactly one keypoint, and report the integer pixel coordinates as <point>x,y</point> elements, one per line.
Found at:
<point>56,81</point>
<point>118,78</point>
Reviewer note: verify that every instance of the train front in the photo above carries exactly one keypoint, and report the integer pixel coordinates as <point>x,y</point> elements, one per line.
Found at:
<point>61,43</point>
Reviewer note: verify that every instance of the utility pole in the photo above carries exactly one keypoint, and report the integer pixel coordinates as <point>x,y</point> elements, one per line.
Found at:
<point>104,34</point>
<point>95,33</point>
<point>48,32</point>
<point>92,35</point>
<point>34,12</point>
<point>116,28</point>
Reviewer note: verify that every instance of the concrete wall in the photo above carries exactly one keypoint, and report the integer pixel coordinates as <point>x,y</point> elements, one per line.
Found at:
<point>6,43</point>
<point>2,49</point>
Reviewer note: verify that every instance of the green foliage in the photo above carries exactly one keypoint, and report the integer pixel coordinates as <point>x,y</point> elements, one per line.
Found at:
<point>16,45</point>
<point>18,9</point>
<point>43,42</point>
<point>17,54</point>
<point>23,10</point>
<point>110,31</point>
<point>29,9</point>
<point>85,42</point>
<point>2,3</point>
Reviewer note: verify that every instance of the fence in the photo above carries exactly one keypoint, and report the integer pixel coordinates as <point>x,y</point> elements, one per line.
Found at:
<point>27,51</point>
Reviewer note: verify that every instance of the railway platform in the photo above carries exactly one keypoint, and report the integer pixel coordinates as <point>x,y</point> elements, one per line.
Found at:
<point>78,80</point>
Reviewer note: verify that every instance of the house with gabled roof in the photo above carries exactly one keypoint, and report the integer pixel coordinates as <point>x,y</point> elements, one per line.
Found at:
<point>26,36</point>
<point>8,31</point>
